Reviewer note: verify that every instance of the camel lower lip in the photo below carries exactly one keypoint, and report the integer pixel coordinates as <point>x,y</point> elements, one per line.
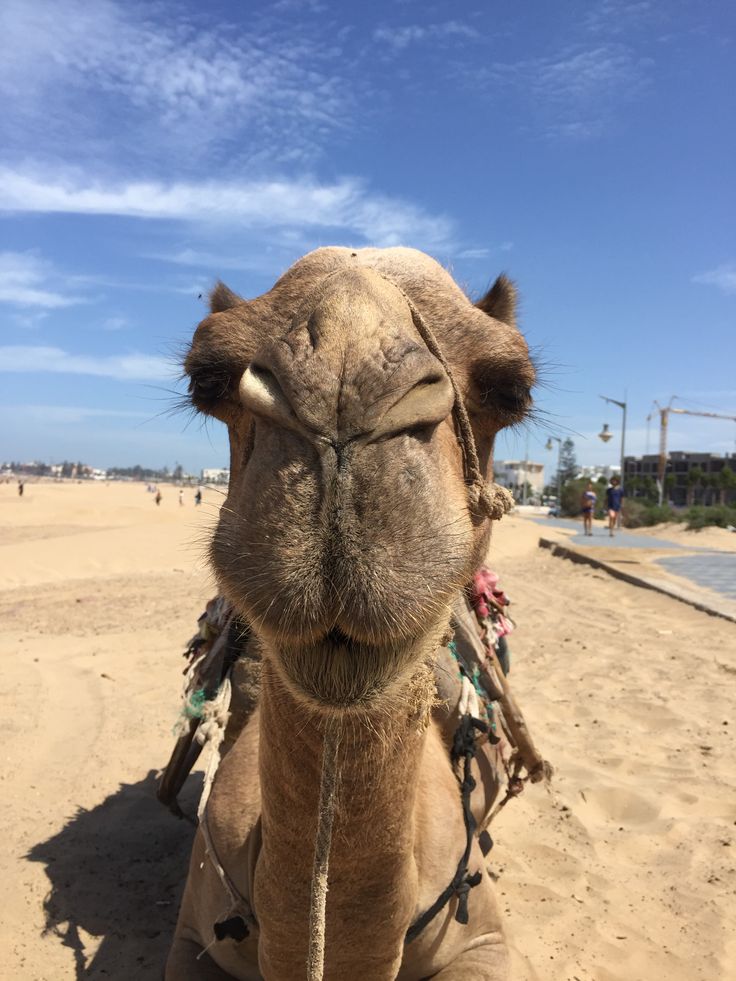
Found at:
<point>339,671</point>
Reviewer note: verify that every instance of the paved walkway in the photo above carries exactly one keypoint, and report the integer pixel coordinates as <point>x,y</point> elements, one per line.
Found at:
<point>707,569</point>
<point>600,537</point>
<point>715,570</point>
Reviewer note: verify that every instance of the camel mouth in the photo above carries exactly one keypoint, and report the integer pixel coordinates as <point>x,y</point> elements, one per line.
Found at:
<point>341,672</point>
<point>337,638</point>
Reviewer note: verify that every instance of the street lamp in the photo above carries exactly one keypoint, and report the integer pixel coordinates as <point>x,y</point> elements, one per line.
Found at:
<point>548,446</point>
<point>605,435</point>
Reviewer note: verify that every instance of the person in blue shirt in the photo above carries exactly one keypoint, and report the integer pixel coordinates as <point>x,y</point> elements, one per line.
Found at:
<point>614,497</point>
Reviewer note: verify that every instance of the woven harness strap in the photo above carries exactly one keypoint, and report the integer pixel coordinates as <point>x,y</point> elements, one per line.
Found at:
<point>462,882</point>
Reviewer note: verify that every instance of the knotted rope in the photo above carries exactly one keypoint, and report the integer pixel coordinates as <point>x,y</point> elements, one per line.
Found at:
<point>492,499</point>
<point>323,842</point>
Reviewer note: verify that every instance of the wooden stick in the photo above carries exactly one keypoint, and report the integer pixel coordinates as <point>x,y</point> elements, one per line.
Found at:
<point>536,766</point>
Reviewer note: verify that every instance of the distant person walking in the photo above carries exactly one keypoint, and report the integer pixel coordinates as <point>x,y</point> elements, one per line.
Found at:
<point>198,496</point>
<point>20,488</point>
<point>614,498</point>
<point>588,502</point>
<point>158,497</point>
<point>181,498</point>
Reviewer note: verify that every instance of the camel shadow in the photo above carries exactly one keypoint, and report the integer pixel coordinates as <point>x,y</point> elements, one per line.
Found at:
<point>117,873</point>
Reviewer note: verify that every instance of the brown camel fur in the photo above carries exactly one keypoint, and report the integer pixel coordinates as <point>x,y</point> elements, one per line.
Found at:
<point>345,537</point>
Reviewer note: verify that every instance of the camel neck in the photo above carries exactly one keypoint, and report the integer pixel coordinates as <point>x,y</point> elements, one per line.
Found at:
<point>372,887</point>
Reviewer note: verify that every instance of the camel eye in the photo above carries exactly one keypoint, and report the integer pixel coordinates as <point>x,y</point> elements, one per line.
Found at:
<point>514,399</point>
<point>207,388</point>
<point>502,391</point>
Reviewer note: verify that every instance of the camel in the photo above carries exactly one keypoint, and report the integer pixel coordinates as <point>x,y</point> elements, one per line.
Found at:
<point>354,516</point>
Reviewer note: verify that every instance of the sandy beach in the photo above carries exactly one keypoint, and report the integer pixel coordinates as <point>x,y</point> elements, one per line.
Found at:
<point>623,869</point>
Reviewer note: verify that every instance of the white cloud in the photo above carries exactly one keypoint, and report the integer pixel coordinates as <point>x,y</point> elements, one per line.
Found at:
<point>345,205</point>
<point>399,38</point>
<point>24,282</point>
<point>723,277</point>
<point>123,367</point>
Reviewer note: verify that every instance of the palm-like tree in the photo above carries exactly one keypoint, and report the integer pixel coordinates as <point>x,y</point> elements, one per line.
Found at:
<point>726,483</point>
<point>694,480</point>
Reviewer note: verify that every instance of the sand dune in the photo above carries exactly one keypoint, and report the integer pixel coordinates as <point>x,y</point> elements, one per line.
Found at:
<point>624,869</point>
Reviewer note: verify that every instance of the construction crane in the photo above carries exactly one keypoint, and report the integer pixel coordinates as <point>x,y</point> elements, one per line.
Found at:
<point>664,412</point>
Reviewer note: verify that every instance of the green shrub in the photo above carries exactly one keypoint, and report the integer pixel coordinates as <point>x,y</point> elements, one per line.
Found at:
<point>638,514</point>
<point>633,513</point>
<point>659,514</point>
<point>719,515</point>
<point>572,491</point>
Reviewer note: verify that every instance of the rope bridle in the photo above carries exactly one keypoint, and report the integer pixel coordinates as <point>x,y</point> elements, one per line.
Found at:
<point>492,500</point>
<point>323,842</point>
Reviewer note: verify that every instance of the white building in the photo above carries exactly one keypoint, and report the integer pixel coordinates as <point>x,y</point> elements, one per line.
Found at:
<point>216,476</point>
<point>515,473</point>
<point>595,473</point>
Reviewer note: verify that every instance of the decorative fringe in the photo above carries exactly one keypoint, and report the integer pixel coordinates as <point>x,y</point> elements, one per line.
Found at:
<point>211,732</point>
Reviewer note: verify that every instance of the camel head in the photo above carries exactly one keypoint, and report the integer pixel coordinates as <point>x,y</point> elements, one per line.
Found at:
<point>347,528</point>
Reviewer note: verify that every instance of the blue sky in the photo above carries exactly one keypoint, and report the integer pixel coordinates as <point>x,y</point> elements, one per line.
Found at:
<point>586,148</point>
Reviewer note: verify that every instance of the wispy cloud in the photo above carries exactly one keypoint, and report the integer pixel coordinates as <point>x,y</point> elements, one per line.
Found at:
<point>473,254</point>
<point>723,277</point>
<point>589,73</point>
<point>163,76</point>
<point>115,323</point>
<point>27,280</point>
<point>50,414</point>
<point>575,92</point>
<point>123,367</point>
<point>29,319</point>
<point>202,260</point>
<point>618,16</point>
<point>399,38</point>
<point>483,253</point>
<point>345,205</point>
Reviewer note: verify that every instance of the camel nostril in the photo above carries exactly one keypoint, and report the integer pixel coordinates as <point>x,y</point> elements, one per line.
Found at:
<point>424,405</point>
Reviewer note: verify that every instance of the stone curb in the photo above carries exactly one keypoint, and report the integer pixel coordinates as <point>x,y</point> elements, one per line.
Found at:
<point>565,552</point>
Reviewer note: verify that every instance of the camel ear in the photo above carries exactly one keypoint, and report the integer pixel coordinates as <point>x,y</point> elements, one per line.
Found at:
<point>222,298</point>
<point>500,301</point>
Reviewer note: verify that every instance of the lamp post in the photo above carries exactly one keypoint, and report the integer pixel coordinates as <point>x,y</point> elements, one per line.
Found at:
<point>605,435</point>
<point>526,468</point>
<point>548,446</point>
